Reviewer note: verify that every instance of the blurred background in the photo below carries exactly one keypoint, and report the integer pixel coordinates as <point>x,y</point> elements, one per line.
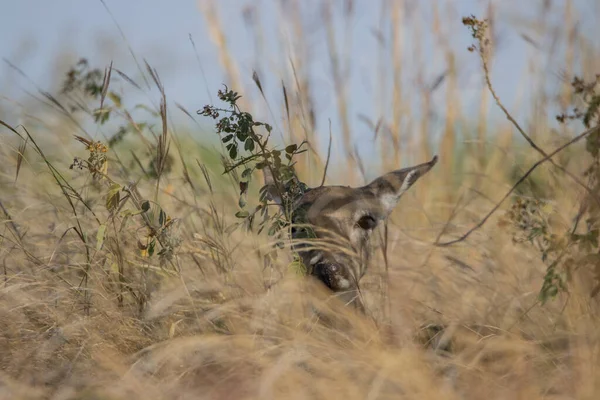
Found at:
<point>384,73</point>
<point>87,308</point>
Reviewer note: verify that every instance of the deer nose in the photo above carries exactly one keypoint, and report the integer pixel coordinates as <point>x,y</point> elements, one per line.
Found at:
<point>333,275</point>
<point>331,268</point>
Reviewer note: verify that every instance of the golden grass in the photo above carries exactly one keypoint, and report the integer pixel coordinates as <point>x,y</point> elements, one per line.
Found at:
<point>113,324</point>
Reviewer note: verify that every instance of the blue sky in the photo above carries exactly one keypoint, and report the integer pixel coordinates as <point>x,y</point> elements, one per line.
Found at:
<point>159,30</point>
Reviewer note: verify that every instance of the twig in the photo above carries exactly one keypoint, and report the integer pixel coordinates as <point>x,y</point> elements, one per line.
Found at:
<point>521,130</point>
<point>11,223</point>
<point>521,180</point>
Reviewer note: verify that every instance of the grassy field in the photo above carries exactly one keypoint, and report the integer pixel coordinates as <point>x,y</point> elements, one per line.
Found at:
<point>124,273</point>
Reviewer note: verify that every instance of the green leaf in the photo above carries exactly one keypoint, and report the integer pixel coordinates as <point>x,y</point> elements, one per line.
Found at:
<point>242,214</point>
<point>227,138</point>
<point>298,268</point>
<point>151,247</point>
<point>148,109</point>
<point>263,209</point>
<point>100,236</point>
<point>231,228</point>
<point>233,152</point>
<point>246,174</point>
<point>126,215</point>
<point>113,197</point>
<point>250,222</point>
<point>115,99</point>
<point>263,196</point>
<point>277,161</point>
<point>249,144</point>
<point>162,218</point>
<point>273,229</point>
<point>291,148</point>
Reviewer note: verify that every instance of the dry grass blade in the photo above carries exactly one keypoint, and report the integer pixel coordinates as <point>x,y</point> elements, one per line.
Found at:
<point>186,112</point>
<point>186,174</point>
<point>126,78</point>
<point>55,101</point>
<point>359,163</point>
<point>139,162</point>
<point>11,223</point>
<point>286,102</point>
<point>206,176</point>
<point>20,156</point>
<point>256,80</point>
<point>138,130</point>
<point>105,84</point>
<point>155,78</point>
<point>338,80</point>
<point>174,281</point>
<point>163,140</point>
<point>208,93</point>
<point>126,42</point>
<point>209,10</point>
<point>68,191</point>
<point>328,157</point>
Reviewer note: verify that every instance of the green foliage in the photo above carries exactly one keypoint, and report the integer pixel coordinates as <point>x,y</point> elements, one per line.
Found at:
<point>84,85</point>
<point>83,88</point>
<point>118,197</point>
<point>249,150</point>
<point>531,219</point>
<point>297,267</point>
<point>564,252</point>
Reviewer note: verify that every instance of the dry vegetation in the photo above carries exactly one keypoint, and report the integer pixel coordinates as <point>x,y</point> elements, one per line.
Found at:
<point>152,294</point>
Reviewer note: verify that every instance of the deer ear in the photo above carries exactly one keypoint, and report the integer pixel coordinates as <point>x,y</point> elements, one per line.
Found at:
<point>390,187</point>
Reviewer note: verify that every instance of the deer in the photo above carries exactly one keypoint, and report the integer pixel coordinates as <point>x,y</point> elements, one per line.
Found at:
<point>342,219</point>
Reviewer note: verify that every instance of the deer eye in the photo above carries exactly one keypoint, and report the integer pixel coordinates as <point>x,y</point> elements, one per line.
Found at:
<point>366,222</point>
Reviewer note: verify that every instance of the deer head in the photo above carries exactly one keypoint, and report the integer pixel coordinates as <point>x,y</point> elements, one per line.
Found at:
<point>332,226</point>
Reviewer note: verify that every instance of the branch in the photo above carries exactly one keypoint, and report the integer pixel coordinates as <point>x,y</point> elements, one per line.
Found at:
<point>512,189</point>
<point>521,130</point>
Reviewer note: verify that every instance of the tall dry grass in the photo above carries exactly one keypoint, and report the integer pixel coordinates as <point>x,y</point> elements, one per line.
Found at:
<point>79,320</point>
